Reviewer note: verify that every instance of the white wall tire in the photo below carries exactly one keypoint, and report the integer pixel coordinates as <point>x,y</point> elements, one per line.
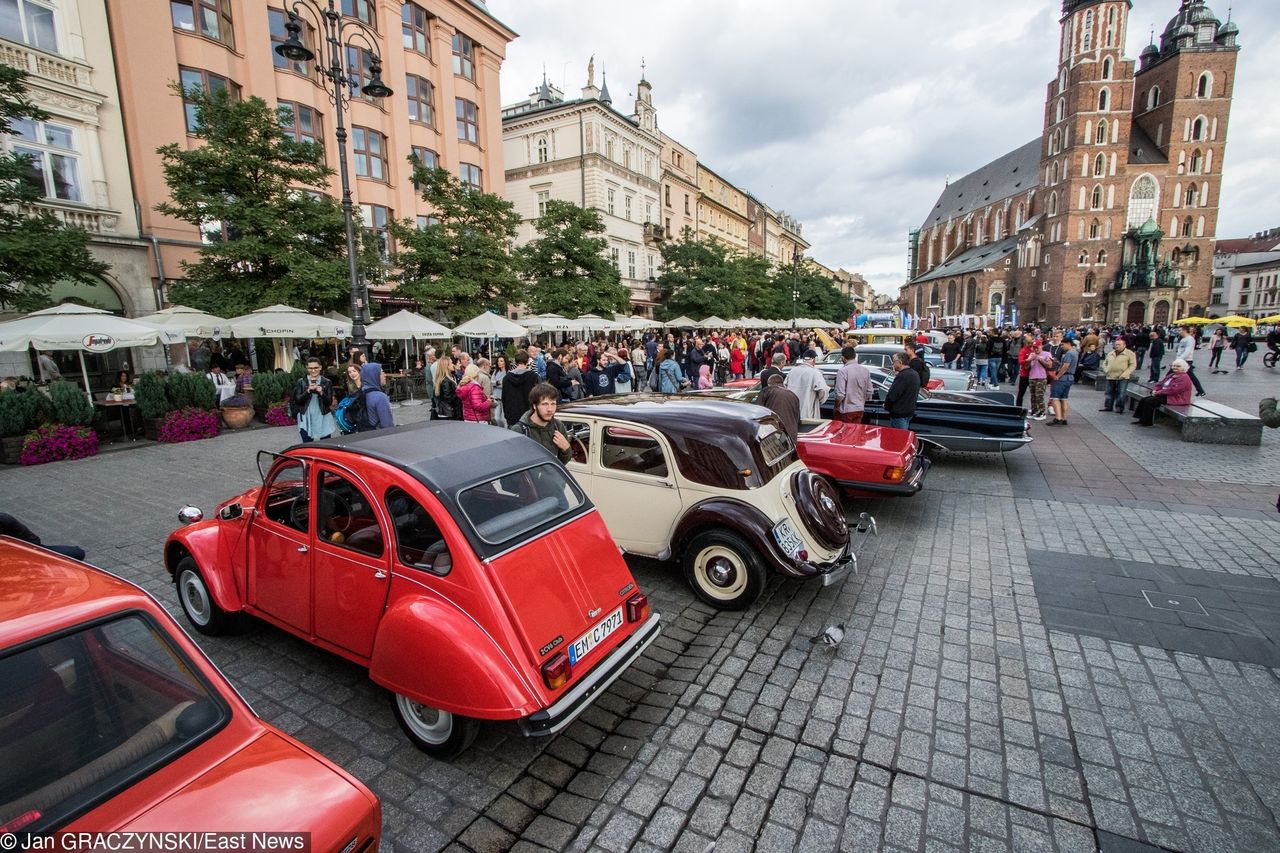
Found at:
<point>438,733</point>
<point>723,569</point>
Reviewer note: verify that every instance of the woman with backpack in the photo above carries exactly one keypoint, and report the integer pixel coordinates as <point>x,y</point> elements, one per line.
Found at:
<point>447,405</point>
<point>671,378</point>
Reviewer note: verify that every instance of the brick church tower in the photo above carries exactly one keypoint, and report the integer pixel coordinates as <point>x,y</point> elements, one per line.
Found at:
<point>1083,166</point>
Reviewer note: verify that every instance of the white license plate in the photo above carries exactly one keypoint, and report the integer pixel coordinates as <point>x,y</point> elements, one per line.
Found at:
<point>788,540</point>
<point>595,636</point>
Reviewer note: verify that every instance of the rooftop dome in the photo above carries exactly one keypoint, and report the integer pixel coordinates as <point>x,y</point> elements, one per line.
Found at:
<point>1192,13</point>
<point>1229,28</point>
<point>1149,50</point>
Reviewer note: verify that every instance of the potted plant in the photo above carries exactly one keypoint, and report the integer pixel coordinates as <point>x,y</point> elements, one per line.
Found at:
<point>278,415</point>
<point>270,389</point>
<point>189,424</point>
<point>237,411</point>
<point>153,403</point>
<point>54,442</point>
<point>69,405</point>
<point>20,413</point>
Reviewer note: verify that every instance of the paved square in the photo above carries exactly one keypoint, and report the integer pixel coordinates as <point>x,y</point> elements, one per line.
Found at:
<point>1004,683</point>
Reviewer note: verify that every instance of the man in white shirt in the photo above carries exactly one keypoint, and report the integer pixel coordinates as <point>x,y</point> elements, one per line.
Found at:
<point>1186,350</point>
<point>809,385</point>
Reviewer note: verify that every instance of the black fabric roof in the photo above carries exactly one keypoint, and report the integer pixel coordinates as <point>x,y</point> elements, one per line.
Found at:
<point>1012,173</point>
<point>972,260</point>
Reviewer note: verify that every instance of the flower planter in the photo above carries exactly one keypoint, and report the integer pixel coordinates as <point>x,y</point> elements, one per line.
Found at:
<point>11,449</point>
<point>55,442</point>
<point>237,417</point>
<point>151,427</point>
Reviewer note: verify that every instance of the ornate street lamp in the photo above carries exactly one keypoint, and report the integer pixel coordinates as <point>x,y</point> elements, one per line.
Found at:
<point>340,34</point>
<point>796,260</point>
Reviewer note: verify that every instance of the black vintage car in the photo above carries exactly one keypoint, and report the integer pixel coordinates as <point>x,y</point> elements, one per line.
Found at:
<point>955,420</point>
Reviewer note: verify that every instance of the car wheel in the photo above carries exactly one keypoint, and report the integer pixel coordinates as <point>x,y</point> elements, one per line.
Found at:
<point>723,570</point>
<point>197,602</point>
<point>439,734</point>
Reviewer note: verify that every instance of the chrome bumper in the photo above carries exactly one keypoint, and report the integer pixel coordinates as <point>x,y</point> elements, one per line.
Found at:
<point>847,562</point>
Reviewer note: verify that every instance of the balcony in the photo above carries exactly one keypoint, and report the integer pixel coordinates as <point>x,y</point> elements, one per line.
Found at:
<point>654,233</point>
<point>46,66</point>
<point>92,219</point>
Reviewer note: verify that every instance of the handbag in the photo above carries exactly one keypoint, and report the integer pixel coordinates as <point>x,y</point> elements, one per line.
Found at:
<point>1253,347</point>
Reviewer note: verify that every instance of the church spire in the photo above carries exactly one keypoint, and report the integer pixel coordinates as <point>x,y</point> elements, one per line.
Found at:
<point>605,97</point>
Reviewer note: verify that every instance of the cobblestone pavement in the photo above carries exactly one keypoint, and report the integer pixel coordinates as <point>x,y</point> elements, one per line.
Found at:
<point>957,714</point>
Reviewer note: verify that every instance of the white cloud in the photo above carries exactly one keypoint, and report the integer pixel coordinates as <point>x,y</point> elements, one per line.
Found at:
<point>851,116</point>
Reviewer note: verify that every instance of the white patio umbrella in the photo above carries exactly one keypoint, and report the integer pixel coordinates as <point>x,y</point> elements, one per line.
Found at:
<point>550,323</point>
<point>681,322</point>
<point>77,327</point>
<point>405,325</point>
<point>596,323</point>
<point>339,317</point>
<point>713,322</point>
<point>490,325</point>
<point>284,321</point>
<point>191,322</point>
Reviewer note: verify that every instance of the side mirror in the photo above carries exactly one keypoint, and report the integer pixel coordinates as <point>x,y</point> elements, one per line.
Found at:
<point>230,512</point>
<point>190,515</point>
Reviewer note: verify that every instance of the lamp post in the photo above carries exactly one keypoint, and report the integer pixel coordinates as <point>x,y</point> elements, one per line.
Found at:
<point>796,259</point>
<point>340,34</point>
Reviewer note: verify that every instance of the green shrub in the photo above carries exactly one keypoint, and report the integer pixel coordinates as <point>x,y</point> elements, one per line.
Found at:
<point>13,413</point>
<point>149,394</point>
<point>298,370</point>
<point>69,405</point>
<point>190,391</point>
<point>271,388</point>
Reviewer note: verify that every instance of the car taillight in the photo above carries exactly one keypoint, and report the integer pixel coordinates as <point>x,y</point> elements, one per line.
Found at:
<point>556,671</point>
<point>894,474</point>
<point>802,554</point>
<point>638,607</point>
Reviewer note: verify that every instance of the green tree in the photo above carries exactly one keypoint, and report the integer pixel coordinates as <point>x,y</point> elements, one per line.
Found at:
<point>818,297</point>
<point>698,279</point>
<point>259,196</point>
<point>461,262</point>
<point>36,248</point>
<point>565,265</point>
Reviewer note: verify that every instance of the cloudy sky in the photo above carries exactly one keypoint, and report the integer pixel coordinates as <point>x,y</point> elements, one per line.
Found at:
<point>851,116</point>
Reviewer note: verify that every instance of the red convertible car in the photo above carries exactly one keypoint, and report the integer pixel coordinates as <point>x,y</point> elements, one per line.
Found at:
<point>458,562</point>
<point>112,719</point>
<point>863,460</point>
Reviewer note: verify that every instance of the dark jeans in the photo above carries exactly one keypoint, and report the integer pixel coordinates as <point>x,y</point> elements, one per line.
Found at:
<point>1215,357</point>
<point>1191,371</point>
<point>1242,355</point>
<point>1155,368</point>
<point>1115,394</point>
<point>900,423</point>
<point>1022,389</point>
<point>1146,409</point>
<point>1139,355</point>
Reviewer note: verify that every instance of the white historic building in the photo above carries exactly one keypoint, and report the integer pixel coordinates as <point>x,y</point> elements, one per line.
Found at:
<point>78,159</point>
<point>587,152</point>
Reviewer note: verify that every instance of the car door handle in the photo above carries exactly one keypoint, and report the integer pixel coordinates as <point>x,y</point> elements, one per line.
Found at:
<point>302,549</point>
<point>379,574</point>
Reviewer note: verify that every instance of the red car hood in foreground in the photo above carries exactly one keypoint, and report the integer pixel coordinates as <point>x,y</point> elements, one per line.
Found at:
<point>298,794</point>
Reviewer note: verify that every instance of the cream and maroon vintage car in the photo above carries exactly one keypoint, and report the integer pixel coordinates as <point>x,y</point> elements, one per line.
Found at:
<point>715,483</point>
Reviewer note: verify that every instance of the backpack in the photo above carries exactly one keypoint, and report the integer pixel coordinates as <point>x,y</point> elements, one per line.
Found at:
<point>349,412</point>
<point>653,380</point>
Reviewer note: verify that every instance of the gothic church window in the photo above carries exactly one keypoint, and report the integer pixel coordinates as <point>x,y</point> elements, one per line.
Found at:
<point>1099,165</point>
<point>1053,204</point>
<point>1186,227</point>
<point>1197,129</point>
<point>1101,138</point>
<point>1095,231</point>
<point>1095,200</point>
<point>1193,195</point>
<point>1102,256</point>
<point>1086,43</point>
<point>1103,98</point>
<point>1061,110</point>
<point>1142,201</point>
<point>1204,88</point>
<point>1106,63</point>
<point>1196,159</point>
<point>1153,97</point>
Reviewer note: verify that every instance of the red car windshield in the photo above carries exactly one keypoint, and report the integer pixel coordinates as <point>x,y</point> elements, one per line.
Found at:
<point>86,714</point>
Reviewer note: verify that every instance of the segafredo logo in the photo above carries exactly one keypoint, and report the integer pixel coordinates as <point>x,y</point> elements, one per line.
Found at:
<point>99,343</point>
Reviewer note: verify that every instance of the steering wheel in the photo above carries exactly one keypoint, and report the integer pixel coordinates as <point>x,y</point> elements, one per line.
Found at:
<point>338,507</point>
<point>298,513</point>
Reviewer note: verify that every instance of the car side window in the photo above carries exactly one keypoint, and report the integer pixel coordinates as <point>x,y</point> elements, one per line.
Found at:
<point>579,439</point>
<point>286,495</point>
<point>345,517</point>
<point>419,542</point>
<point>631,450</point>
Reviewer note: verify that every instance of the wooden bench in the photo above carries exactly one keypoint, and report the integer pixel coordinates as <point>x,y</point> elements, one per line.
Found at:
<point>1204,421</point>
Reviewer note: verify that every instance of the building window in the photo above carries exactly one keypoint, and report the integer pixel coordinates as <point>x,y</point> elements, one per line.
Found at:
<point>631,264</point>
<point>1186,227</point>
<point>425,222</point>
<point>1095,231</point>
<point>1099,165</point>
<point>609,195</point>
<point>209,18</point>
<point>468,115</point>
<point>648,211</point>
<point>1086,311</point>
<point>626,157</point>
<point>33,24</point>
<point>542,149</point>
<point>275,23</point>
<point>53,166</point>
<point>1087,42</point>
<point>1053,204</point>
<point>1204,87</point>
<point>464,50</point>
<point>1102,256</point>
<point>1095,200</point>
<point>1103,97</point>
<point>1193,195</point>
<point>1197,129</point>
<point>1106,63</point>
<point>686,204</point>
<point>470,174</point>
<point>360,64</point>
<point>608,146</point>
<point>667,197</point>
<point>361,10</point>
<point>1101,138</point>
<point>626,207</point>
<point>1153,98</point>
<point>203,81</point>
<point>426,158</point>
<point>544,196</point>
<point>301,122</point>
<point>651,265</point>
<point>375,217</point>
<point>421,95</point>
<point>1196,161</point>
<point>1089,283</point>
<point>613,256</point>
<point>1142,201</point>
<point>370,148</point>
<point>415,30</point>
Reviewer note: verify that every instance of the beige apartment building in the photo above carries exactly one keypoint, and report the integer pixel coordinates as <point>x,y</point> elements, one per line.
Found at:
<point>441,58</point>
<point>679,189</point>
<point>722,210</point>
